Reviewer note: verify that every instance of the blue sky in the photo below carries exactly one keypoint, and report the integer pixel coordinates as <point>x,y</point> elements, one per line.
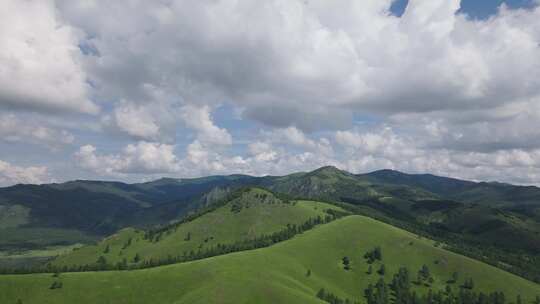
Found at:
<point>137,90</point>
<point>479,9</point>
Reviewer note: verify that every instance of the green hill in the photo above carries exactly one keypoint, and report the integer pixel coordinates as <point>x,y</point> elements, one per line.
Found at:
<point>480,219</point>
<point>82,210</point>
<point>250,214</point>
<point>277,274</point>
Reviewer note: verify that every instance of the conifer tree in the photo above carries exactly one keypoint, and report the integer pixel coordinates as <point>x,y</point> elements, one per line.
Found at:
<point>382,270</point>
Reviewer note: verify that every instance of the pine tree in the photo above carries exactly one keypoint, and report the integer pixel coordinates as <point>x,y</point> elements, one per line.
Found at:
<point>107,249</point>
<point>454,277</point>
<point>448,290</point>
<point>308,273</point>
<point>377,253</point>
<point>382,270</point>
<point>346,263</point>
<point>56,285</point>
<point>425,272</point>
<point>370,271</point>
<point>321,294</point>
<point>102,260</point>
<point>137,258</point>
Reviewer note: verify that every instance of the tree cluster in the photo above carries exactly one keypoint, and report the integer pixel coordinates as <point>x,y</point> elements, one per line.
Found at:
<point>400,291</point>
<point>373,255</point>
<point>332,298</point>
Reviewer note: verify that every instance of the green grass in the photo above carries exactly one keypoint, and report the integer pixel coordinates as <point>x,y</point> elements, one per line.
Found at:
<point>36,257</point>
<point>49,251</point>
<point>260,213</point>
<point>32,238</point>
<point>276,274</point>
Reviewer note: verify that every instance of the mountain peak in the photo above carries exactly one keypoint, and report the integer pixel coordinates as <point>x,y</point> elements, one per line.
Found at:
<point>328,169</point>
<point>331,172</point>
<point>388,172</point>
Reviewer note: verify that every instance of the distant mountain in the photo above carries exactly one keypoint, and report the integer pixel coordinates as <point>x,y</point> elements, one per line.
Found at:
<point>82,211</point>
<point>492,193</point>
<point>432,183</point>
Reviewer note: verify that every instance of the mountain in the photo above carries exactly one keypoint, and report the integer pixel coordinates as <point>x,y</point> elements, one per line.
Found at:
<point>435,184</point>
<point>275,242</point>
<point>85,210</point>
<point>331,183</point>
<point>487,193</point>
<point>484,218</point>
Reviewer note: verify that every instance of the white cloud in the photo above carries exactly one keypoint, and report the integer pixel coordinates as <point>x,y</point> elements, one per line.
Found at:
<point>295,137</point>
<point>200,120</point>
<point>136,121</point>
<point>306,63</point>
<point>15,129</point>
<point>141,158</point>
<point>262,151</point>
<point>438,91</point>
<point>39,60</point>
<point>11,174</point>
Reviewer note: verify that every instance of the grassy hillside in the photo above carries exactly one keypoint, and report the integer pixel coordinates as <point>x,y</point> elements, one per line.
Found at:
<point>276,274</point>
<point>480,218</point>
<point>254,213</point>
<point>99,208</point>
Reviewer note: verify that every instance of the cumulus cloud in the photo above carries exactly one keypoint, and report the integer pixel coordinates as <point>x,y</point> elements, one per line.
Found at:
<point>342,82</point>
<point>15,129</point>
<point>11,174</point>
<point>199,119</point>
<point>309,62</point>
<point>39,59</point>
<point>141,158</point>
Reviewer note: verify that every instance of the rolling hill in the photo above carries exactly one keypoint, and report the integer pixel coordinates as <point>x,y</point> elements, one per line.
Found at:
<point>292,271</point>
<point>246,216</point>
<point>483,219</point>
<point>83,211</point>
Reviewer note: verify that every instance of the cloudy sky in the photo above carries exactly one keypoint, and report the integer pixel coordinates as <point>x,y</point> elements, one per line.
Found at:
<point>135,90</point>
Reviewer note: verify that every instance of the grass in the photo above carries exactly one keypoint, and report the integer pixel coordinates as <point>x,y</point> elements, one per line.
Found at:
<point>276,274</point>
<point>260,213</point>
<point>32,238</point>
<point>36,257</point>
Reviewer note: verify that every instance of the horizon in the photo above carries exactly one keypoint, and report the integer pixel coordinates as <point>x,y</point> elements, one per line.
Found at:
<point>137,91</point>
<point>267,175</point>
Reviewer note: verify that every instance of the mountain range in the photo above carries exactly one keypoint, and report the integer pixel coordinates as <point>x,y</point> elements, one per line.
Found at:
<point>87,210</point>
<point>325,236</point>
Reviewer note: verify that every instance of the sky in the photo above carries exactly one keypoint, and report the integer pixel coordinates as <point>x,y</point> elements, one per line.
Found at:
<point>138,90</point>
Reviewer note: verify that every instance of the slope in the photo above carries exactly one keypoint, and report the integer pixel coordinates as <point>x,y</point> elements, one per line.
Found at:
<point>252,213</point>
<point>275,274</point>
<point>83,210</point>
